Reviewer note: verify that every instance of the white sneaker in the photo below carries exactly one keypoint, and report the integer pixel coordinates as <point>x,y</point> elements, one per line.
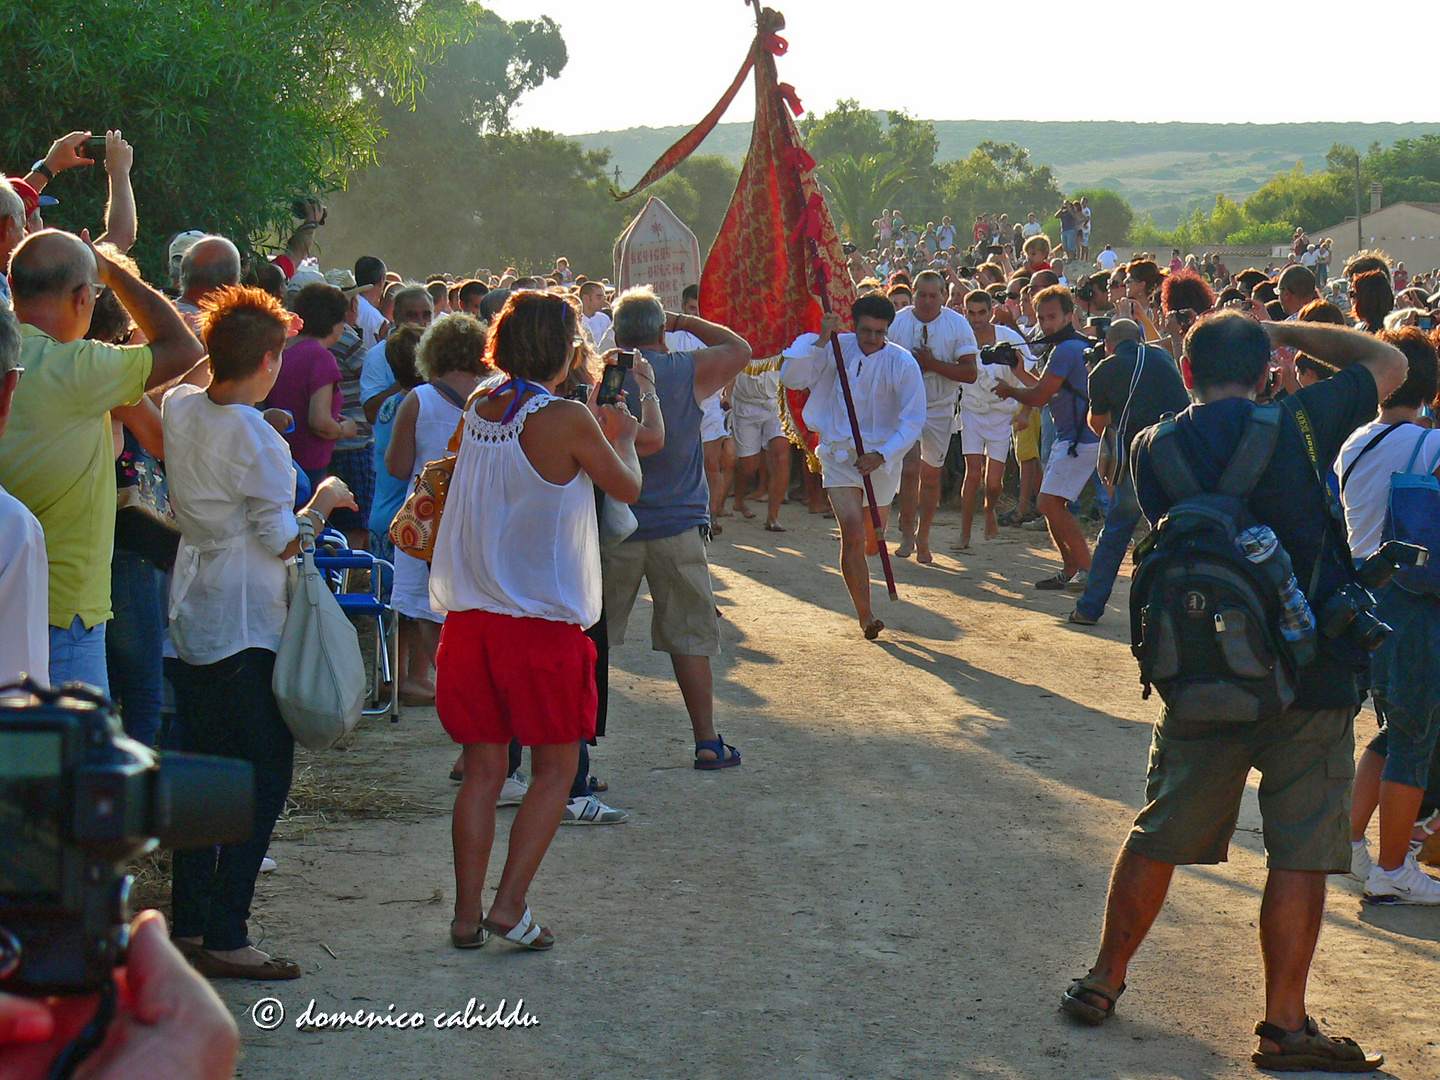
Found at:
<point>513,793</point>
<point>1077,583</point>
<point>1360,861</point>
<point>1406,885</point>
<point>267,864</point>
<point>588,810</point>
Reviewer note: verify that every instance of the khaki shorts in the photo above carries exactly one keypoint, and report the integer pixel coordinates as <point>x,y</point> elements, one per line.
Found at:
<point>1027,439</point>
<point>683,621</point>
<point>1306,761</point>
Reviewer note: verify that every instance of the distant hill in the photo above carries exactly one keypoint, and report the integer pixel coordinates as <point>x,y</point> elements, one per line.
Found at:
<point>1162,169</point>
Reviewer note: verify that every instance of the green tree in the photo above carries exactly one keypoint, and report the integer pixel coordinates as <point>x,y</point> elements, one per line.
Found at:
<point>998,178</point>
<point>1305,200</point>
<point>859,188</point>
<point>234,108</point>
<point>846,130</point>
<point>704,184</point>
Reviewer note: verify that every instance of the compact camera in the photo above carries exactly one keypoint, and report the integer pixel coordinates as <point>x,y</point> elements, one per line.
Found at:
<point>78,800</point>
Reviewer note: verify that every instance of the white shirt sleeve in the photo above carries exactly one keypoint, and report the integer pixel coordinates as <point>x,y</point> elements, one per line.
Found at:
<point>24,595</point>
<point>375,374</point>
<point>910,391</point>
<point>267,481</point>
<point>805,364</point>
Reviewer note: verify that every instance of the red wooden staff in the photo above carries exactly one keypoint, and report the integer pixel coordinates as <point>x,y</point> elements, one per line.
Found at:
<point>855,428</point>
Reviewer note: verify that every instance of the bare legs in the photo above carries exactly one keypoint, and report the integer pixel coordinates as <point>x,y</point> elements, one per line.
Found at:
<point>472,829</point>
<point>1290,917</point>
<point>697,687</point>
<point>929,503</point>
<point>1029,485</point>
<point>978,468</point>
<point>1065,531</point>
<point>777,456</point>
<point>857,540</point>
<point>719,473</point>
<point>419,638</point>
<point>909,502</point>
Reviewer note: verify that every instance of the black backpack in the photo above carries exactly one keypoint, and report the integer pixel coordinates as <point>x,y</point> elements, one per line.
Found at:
<point>1204,619</point>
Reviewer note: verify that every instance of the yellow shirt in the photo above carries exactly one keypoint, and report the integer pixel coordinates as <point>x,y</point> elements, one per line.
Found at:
<point>57,457</point>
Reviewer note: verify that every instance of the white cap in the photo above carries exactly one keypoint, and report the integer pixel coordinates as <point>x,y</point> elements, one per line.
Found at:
<point>183,242</point>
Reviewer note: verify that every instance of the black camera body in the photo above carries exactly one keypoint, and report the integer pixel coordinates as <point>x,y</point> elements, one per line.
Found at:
<point>1002,352</point>
<point>612,380</point>
<point>78,800</point>
<point>1351,608</point>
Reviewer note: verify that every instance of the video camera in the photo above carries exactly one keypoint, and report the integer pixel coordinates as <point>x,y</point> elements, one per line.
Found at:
<point>1351,608</point>
<point>78,800</point>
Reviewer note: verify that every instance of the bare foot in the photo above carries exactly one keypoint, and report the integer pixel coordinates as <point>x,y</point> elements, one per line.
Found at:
<point>820,508</point>
<point>963,544</point>
<point>923,554</point>
<point>992,526</point>
<point>722,512</point>
<point>775,526</point>
<point>743,510</point>
<point>907,546</point>
<point>872,629</point>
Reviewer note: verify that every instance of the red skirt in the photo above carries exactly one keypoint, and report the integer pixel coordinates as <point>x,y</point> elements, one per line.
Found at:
<point>499,677</point>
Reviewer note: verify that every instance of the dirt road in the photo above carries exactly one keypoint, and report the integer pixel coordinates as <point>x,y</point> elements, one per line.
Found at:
<point>899,881</point>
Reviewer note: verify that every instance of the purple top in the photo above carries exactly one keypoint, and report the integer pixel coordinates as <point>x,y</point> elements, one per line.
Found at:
<point>305,367</point>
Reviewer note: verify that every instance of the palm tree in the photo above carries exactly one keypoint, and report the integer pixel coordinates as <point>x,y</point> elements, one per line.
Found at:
<point>858,188</point>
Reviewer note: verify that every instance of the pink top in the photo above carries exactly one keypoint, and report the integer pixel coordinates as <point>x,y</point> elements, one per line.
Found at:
<point>305,367</point>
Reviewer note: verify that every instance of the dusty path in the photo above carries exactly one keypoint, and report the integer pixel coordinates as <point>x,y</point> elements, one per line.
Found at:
<point>899,881</point>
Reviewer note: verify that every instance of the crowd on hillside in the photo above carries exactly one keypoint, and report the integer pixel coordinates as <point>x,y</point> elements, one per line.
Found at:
<point>169,449</point>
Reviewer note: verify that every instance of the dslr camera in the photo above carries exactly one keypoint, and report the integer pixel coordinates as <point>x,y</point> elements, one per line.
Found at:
<point>1002,352</point>
<point>78,801</point>
<point>1351,608</point>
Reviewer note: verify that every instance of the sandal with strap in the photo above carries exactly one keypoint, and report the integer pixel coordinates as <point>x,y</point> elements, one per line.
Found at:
<point>1308,1049</point>
<point>525,934</point>
<point>725,757</point>
<point>473,940</point>
<point>1083,1010</point>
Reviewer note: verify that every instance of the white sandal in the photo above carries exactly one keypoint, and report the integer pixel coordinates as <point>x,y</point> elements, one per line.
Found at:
<point>525,934</point>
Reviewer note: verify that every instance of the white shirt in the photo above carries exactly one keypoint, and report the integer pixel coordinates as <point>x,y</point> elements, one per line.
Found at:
<point>980,397</point>
<point>232,488</point>
<point>888,392</point>
<point>376,375</point>
<point>1031,228</point>
<point>946,235</point>
<point>510,541</point>
<point>1107,259</point>
<point>597,324</point>
<point>1366,494</point>
<point>949,337</point>
<point>370,322</point>
<point>24,594</point>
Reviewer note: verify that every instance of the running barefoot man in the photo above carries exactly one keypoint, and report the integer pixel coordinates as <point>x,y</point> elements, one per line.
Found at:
<point>889,397</point>
<point>943,345</point>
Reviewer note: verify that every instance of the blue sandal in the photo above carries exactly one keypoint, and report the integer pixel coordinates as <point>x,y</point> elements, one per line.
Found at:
<point>719,747</point>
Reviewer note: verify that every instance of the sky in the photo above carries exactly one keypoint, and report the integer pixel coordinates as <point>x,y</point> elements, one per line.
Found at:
<point>656,63</point>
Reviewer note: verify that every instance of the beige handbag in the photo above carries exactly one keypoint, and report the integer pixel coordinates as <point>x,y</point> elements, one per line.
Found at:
<point>319,680</point>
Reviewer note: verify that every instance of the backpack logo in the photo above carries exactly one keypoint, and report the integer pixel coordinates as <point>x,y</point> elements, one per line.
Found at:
<point>1196,604</point>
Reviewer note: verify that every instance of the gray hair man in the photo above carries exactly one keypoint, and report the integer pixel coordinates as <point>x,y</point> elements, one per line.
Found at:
<point>211,263</point>
<point>673,511</point>
<point>12,230</point>
<point>24,570</point>
<point>57,455</point>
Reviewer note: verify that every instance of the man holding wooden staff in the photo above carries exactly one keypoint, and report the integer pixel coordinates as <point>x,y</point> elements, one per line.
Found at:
<point>889,396</point>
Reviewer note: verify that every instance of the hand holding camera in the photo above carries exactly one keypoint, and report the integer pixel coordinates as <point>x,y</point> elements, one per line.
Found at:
<point>1002,352</point>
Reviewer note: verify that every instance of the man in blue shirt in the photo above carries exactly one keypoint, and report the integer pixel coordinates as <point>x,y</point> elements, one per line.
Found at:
<point>1065,387</point>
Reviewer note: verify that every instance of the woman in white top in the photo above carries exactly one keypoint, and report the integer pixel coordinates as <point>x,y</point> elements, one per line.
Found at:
<point>517,569</point>
<point>451,358</point>
<point>232,489</point>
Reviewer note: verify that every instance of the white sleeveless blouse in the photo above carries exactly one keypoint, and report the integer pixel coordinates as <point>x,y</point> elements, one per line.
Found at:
<point>511,542</point>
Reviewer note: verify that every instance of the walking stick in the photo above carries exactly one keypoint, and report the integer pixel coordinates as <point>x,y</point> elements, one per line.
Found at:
<point>855,435</point>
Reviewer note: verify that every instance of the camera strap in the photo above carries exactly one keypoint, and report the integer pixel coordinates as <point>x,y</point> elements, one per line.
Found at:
<point>1333,513</point>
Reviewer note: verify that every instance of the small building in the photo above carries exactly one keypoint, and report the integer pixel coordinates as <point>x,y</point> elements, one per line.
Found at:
<point>1408,232</point>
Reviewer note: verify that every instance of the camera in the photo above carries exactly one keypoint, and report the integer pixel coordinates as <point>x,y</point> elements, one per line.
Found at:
<point>78,800</point>
<point>1184,318</point>
<point>1097,326</point>
<point>1352,609</point>
<point>95,147</point>
<point>1085,292</point>
<point>612,382</point>
<point>848,248</point>
<point>1002,352</point>
<point>1392,557</point>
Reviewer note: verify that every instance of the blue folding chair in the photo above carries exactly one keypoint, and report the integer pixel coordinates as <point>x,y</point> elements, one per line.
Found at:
<point>334,559</point>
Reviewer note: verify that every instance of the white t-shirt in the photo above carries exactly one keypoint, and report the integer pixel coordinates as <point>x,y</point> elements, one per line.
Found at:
<point>597,324</point>
<point>1031,228</point>
<point>949,337</point>
<point>946,236</point>
<point>1367,492</point>
<point>979,397</point>
<point>370,322</point>
<point>375,374</point>
<point>24,594</point>
<point>1107,259</point>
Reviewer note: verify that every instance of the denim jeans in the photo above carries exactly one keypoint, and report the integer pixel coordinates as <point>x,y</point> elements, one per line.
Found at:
<point>1110,549</point>
<point>1406,674</point>
<point>78,655</point>
<point>134,643</point>
<point>228,709</point>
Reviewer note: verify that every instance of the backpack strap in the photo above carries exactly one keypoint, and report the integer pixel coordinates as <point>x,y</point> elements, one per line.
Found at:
<point>1374,442</point>
<point>1167,460</point>
<point>1415,454</point>
<point>1252,454</point>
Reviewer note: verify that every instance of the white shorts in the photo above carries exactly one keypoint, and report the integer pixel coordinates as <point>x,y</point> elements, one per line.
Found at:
<point>714,423</point>
<point>1065,476</point>
<point>986,433</point>
<point>935,436</point>
<point>843,474</point>
<point>754,428</point>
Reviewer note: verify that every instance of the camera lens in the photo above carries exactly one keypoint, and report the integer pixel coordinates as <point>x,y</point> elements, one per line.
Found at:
<point>1369,631</point>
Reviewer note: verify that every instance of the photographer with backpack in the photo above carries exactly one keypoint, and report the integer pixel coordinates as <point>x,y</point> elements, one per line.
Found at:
<point>1389,490</point>
<point>1238,692</point>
